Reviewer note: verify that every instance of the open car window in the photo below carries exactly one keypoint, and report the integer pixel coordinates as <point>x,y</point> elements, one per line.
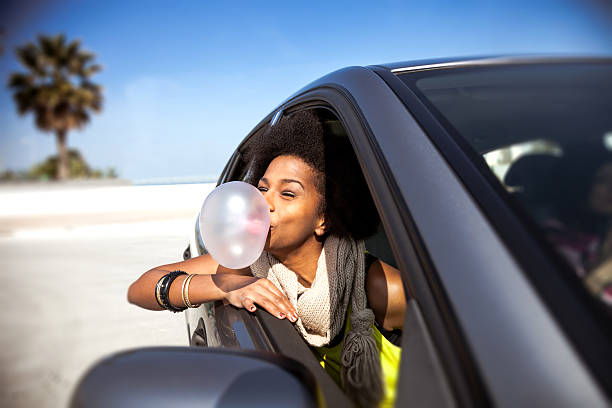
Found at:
<point>376,244</point>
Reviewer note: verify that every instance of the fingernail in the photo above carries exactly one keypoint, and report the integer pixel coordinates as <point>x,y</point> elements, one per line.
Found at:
<point>292,317</point>
<point>281,315</point>
<point>252,309</point>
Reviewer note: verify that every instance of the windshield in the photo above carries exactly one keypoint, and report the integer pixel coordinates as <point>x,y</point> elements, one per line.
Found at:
<point>545,131</point>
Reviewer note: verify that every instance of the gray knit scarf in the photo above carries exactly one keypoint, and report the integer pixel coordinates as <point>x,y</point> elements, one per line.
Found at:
<point>322,309</point>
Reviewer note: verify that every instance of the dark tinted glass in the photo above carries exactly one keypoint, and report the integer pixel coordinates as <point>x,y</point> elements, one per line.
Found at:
<point>545,131</point>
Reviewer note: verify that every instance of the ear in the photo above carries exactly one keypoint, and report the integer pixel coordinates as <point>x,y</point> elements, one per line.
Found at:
<point>321,228</point>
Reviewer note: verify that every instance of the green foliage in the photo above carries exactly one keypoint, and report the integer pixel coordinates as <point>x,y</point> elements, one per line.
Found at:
<point>10,175</point>
<point>56,86</point>
<point>47,170</point>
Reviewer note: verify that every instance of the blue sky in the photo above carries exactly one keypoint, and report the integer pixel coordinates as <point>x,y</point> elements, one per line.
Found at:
<point>184,81</point>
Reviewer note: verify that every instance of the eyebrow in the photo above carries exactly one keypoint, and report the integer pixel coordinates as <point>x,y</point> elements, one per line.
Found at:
<point>286,180</point>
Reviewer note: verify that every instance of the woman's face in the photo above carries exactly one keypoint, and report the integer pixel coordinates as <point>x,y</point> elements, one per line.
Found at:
<point>600,197</point>
<point>289,187</point>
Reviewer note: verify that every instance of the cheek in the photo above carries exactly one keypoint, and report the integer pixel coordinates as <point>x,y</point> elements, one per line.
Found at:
<point>294,223</point>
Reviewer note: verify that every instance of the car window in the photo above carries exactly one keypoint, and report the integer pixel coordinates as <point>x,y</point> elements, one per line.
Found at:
<point>544,131</point>
<point>376,245</point>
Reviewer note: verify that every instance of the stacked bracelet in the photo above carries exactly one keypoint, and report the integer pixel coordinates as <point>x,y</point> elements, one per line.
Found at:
<point>157,292</point>
<point>185,292</point>
<point>183,289</point>
<point>162,290</point>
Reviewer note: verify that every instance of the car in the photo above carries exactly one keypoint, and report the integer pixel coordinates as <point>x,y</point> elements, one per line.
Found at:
<point>497,314</point>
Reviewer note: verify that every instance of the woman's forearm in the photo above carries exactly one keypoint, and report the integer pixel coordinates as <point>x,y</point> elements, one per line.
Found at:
<point>239,290</point>
<point>202,288</point>
<point>142,291</point>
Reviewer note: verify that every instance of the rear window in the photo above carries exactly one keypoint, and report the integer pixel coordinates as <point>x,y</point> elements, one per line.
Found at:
<point>545,132</point>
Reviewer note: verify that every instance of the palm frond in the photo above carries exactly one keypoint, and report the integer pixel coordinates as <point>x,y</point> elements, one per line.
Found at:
<point>30,56</point>
<point>92,69</point>
<point>18,80</point>
<point>57,88</point>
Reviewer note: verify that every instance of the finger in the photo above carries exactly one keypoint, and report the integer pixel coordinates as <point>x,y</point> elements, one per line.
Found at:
<point>288,306</point>
<point>279,302</point>
<point>279,299</point>
<point>266,301</point>
<point>248,304</point>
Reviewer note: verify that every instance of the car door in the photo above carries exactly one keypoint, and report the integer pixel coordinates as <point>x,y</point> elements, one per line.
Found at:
<point>465,279</point>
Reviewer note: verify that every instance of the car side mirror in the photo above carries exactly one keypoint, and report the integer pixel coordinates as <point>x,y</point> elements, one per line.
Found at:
<point>189,377</point>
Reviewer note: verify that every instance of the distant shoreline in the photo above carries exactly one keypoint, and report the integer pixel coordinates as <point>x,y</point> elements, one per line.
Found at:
<point>104,182</point>
<point>175,180</point>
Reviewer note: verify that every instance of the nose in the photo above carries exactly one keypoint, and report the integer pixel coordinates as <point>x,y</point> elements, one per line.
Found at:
<point>270,201</point>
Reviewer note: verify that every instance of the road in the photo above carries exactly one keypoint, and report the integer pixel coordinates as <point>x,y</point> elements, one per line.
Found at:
<point>67,257</point>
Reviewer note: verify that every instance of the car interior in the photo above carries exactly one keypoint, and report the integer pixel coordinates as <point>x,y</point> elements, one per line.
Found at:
<point>532,192</point>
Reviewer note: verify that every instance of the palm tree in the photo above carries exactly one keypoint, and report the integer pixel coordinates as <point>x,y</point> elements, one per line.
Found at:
<point>56,88</point>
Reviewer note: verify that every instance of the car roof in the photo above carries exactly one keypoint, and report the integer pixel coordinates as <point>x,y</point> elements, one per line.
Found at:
<point>447,63</point>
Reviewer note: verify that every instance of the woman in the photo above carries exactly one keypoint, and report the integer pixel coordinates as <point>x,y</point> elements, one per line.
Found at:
<point>313,268</point>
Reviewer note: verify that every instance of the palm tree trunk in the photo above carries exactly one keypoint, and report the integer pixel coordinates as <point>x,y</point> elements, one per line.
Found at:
<point>62,149</point>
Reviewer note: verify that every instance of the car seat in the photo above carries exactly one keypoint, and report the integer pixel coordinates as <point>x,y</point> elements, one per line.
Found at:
<point>531,179</point>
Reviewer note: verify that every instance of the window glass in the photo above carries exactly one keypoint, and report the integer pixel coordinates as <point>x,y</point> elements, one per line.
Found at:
<point>545,131</point>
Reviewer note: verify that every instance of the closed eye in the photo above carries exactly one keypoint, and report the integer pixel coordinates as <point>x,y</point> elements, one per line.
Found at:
<point>263,189</point>
<point>288,194</point>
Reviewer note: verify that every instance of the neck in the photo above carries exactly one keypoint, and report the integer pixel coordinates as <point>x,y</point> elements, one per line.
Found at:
<point>303,260</point>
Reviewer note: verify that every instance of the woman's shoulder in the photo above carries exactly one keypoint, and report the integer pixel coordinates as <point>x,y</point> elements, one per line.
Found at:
<point>385,293</point>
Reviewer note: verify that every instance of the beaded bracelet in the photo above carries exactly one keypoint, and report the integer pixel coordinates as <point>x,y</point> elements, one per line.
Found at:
<point>165,289</point>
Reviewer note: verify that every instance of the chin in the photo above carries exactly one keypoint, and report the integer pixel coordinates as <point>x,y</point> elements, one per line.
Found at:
<point>271,248</point>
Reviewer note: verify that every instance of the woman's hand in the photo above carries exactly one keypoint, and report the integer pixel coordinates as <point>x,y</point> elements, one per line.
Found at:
<point>246,291</point>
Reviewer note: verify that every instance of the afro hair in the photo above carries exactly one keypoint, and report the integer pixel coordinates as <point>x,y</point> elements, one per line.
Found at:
<point>346,204</point>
